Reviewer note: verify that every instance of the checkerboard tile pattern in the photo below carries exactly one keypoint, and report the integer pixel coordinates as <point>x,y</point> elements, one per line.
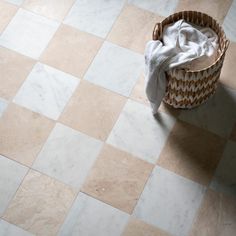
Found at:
<point>81,152</point>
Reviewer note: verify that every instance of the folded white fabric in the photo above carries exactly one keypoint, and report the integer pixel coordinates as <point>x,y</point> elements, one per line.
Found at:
<point>183,45</point>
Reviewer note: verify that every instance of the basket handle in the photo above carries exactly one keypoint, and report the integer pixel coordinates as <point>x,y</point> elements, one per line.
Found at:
<point>155,30</point>
<point>227,42</point>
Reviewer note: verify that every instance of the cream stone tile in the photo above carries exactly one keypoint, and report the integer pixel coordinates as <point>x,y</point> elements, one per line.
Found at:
<point>68,155</point>
<point>94,16</point>
<point>117,178</point>
<point>11,175</point>
<point>163,8</point>
<point>14,70</point>
<point>40,205</point>
<point>7,11</point>
<point>192,152</point>
<point>133,28</point>
<point>169,202</point>
<point>7,229</point>
<point>138,92</point>
<point>217,216</point>
<point>90,217</point>
<point>71,50</point>
<point>215,8</point>
<point>228,71</point>
<point>55,9</point>
<point>93,110</point>
<point>22,134</point>
<point>33,33</point>
<point>137,227</point>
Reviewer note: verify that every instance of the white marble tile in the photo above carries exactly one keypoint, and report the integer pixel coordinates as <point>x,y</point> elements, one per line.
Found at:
<point>139,133</point>
<point>28,33</point>
<point>115,68</point>
<point>224,179</point>
<point>169,202</point>
<point>16,2</point>
<point>68,155</point>
<point>90,217</point>
<point>94,16</point>
<point>163,8</point>
<point>7,229</point>
<point>3,105</point>
<point>229,22</point>
<point>11,175</point>
<point>46,91</point>
<point>217,115</point>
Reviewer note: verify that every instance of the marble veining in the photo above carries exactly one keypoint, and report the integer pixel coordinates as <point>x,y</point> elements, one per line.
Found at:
<point>225,175</point>
<point>28,33</point>
<point>68,155</point>
<point>49,90</point>
<point>115,68</point>
<point>169,202</point>
<point>94,16</point>
<point>139,133</point>
<point>163,8</point>
<point>89,217</point>
<point>11,175</point>
<point>7,229</point>
<point>3,105</point>
<point>229,23</point>
<point>217,115</point>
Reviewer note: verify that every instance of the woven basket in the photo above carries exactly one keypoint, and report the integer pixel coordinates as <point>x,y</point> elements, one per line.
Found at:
<point>185,88</point>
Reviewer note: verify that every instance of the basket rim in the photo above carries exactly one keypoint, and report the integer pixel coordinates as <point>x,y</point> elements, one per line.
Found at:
<point>223,50</point>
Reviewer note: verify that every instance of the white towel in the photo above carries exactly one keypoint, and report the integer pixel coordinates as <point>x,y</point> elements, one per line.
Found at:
<point>183,45</point>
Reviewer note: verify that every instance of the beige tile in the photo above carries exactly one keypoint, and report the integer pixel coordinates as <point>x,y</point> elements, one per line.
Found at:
<point>138,92</point>
<point>14,70</point>
<point>117,178</point>
<point>22,134</point>
<point>133,28</point>
<point>71,50</point>
<point>192,152</point>
<point>215,8</point>
<point>137,227</point>
<point>93,110</point>
<point>54,9</point>
<point>7,11</point>
<point>228,72</point>
<point>233,134</point>
<point>217,216</point>
<point>40,204</point>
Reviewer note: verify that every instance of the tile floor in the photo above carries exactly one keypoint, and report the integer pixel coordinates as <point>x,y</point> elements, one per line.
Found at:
<point>81,153</point>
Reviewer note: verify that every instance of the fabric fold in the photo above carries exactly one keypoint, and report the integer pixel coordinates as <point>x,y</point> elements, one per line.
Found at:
<point>184,46</point>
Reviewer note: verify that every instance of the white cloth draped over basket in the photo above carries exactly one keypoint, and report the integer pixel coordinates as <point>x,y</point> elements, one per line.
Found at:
<point>183,45</point>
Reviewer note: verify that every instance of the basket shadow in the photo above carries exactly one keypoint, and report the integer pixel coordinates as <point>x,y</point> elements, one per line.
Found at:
<point>197,142</point>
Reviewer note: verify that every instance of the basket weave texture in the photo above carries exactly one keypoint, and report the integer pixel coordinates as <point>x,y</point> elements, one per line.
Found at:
<point>185,88</point>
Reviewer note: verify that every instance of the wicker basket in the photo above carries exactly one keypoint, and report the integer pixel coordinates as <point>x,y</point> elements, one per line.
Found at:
<point>188,89</point>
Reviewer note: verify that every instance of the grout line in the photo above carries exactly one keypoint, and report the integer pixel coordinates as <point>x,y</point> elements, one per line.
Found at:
<point>13,196</point>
